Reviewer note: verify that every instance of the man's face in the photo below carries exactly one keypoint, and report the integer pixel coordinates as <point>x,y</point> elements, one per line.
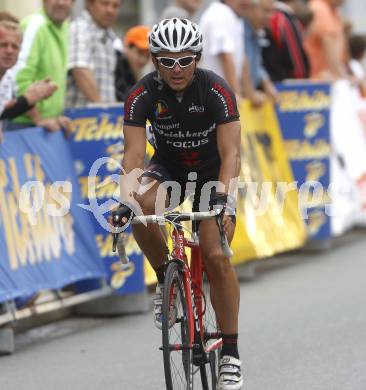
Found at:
<point>238,6</point>
<point>191,6</point>
<point>297,5</point>
<point>336,3</point>
<point>137,58</point>
<point>259,14</point>
<point>267,9</point>
<point>104,12</point>
<point>58,10</point>
<point>178,78</point>
<point>10,42</point>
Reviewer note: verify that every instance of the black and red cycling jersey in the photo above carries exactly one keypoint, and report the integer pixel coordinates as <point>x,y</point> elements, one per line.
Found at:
<point>184,130</point>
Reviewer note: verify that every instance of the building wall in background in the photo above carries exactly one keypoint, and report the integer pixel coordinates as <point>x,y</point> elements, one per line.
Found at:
<point>355,11</point>
<point>20,8</point>
<point>148,11</point>
<point>129,15</point>
<point>152,9</point>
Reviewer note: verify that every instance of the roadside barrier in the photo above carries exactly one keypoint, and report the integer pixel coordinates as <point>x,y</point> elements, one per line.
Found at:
<point>45,238</point>
<point>303,177</point>
<point>323,127</point>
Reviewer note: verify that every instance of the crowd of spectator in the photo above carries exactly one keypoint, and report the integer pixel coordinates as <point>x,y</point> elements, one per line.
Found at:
<point>49,62</point>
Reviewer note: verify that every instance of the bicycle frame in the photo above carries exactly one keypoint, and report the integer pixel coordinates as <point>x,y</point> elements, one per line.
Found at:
<point>198,320</point>
<point>194,295</point>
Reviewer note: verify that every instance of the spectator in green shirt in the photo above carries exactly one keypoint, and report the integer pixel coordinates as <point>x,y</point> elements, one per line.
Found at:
<point>44,54</point>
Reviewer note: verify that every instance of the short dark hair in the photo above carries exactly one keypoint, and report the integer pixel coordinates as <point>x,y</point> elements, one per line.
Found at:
<point>8,17</point>
<point>306,16</point>
<point>357,46</point>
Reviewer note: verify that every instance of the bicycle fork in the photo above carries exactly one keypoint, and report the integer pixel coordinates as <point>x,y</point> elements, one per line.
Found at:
<point>200,356</point>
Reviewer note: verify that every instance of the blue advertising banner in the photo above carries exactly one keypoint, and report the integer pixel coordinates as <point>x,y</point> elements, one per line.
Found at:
<point>97,149</point>
<point>304,117</point>
<point>45,238</point>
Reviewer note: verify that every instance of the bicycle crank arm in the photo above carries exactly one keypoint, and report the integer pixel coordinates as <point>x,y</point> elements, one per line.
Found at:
<point>178,347</point>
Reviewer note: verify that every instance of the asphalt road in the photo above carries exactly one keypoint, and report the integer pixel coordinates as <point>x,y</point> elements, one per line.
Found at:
<point>302,327</point>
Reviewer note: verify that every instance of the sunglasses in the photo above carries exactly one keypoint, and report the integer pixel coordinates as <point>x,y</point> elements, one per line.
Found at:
<point>169,62</point>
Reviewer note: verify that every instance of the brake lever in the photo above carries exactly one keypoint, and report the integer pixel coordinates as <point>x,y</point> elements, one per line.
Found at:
<point>115,222</point>
<point>219,219</point>
<point>115,238</point>
<point>224,243</point>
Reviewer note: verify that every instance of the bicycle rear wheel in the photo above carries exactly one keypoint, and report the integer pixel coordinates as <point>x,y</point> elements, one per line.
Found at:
<point>178,356</point>
<point>211,334</point>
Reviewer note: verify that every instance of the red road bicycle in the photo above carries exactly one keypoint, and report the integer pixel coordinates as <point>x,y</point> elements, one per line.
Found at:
<point>192,342</point>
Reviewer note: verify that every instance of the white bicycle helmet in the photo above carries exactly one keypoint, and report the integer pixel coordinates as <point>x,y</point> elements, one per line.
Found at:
<point>175,35</point>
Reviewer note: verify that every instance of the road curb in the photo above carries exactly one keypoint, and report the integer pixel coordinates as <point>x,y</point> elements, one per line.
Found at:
<point>7,345</point>
<point>115,305</point>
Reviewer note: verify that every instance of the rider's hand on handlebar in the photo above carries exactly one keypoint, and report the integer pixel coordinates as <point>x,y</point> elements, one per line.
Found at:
<point>220,200</point>
<point>228,224</point>
<point>121,215</point>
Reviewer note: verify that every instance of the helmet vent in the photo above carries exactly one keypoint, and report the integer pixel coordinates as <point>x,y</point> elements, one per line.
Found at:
<point>189,36</point>
<point>183,35</point>
<point>166,34</point>
<point>175,38</point>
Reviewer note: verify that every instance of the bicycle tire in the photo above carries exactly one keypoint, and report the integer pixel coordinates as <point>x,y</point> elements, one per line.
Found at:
<point>209,325</point>
<point>178,364</point>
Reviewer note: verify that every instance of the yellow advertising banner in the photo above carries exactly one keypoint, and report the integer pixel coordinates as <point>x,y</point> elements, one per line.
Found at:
<point>268,216</point>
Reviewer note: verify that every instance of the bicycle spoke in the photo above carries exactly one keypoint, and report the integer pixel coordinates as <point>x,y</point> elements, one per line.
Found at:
<point>178,362</point>
<point>178,372</point>
<point>210,327</point>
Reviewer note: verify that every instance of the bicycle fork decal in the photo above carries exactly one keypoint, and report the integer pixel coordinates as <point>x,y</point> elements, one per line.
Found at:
<point>194,311</point>
<point>194,322</point>
<point>178,245</point>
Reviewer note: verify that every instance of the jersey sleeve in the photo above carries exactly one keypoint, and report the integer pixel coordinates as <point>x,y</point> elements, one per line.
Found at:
<point>222,101</point>
<point>137,105</point>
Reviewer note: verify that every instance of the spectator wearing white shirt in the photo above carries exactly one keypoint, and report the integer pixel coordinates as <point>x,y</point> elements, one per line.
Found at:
<point>222,29</point>
<point>357,48</point>
<point>92,55</point>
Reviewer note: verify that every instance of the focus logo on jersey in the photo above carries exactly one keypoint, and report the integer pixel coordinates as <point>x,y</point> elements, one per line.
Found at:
<point>162,110</point>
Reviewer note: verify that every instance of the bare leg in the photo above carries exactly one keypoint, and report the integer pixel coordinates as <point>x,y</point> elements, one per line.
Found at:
<point>150,238</point>
<point>225,292</point>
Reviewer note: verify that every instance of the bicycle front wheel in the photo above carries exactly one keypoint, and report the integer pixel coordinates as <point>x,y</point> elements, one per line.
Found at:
<point>211,336</point>
<point>178,355</point>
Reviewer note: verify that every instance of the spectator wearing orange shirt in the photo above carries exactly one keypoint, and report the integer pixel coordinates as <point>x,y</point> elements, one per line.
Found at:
<point>326,43</point>
<point>130,63</point>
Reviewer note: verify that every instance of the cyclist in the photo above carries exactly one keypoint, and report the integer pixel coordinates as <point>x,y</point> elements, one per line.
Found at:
<point>196,130</point>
